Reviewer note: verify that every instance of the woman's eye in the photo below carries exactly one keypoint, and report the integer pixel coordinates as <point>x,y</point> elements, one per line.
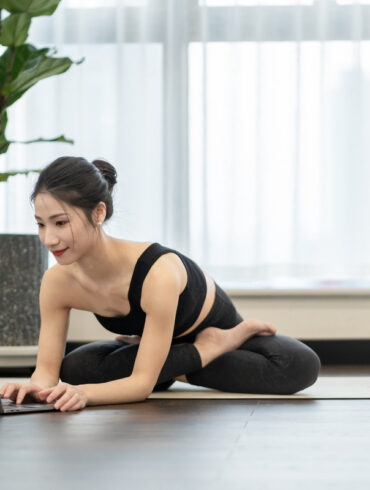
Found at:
<point>58,223</point>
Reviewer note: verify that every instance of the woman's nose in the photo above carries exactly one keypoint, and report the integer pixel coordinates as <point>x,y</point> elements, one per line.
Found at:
<point>50,239</point>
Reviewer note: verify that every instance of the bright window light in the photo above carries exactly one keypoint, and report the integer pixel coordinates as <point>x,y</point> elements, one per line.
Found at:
<point>91,4</point>
<point>353,2</point>
<point>236,3</point>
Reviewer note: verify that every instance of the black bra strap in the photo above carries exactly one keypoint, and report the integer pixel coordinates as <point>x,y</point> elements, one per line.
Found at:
<point>144,263</point>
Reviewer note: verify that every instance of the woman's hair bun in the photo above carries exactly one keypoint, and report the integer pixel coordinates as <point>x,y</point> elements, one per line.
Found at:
<point>108,172</point>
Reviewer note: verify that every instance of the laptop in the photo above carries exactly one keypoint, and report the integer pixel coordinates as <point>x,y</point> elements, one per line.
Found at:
<point>10,407</point>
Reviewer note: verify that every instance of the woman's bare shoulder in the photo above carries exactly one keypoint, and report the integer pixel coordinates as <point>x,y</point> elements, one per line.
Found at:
<point>55,292</point>
<point>58,273</point>
<point>58,279</point>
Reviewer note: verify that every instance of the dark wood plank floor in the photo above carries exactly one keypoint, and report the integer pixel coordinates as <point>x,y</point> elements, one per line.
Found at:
<point>192,444</point>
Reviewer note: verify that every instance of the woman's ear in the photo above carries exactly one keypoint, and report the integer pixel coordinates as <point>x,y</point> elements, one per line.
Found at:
<point>99,212</point>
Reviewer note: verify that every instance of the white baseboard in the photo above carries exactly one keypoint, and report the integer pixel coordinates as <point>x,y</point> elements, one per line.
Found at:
<point>18,356</point>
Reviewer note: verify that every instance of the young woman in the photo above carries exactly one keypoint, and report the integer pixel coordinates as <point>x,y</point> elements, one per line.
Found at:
<point>174,320</point>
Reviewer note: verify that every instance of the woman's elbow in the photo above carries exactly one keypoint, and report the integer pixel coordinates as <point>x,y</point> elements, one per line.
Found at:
<point>143,385</point>
<point>148,391</point>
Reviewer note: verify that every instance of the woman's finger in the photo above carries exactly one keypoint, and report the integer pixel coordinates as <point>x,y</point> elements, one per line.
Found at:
<point>43,394</point>
<point>11,391</point>
<point>80,404</point>
<point>3,389</point>
<point>77,406</point>
<point>69,403</point>
<point>21,394</point>
<point>63,399</point>
<point>28,389</point>
<point>46,391</point>
<point>8,389</point>
<point>57,391</point>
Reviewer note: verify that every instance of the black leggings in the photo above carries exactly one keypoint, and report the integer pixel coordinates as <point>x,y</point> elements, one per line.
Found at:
<point>263,364</point>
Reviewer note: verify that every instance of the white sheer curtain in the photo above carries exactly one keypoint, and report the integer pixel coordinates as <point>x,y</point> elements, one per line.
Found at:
<point>239,129</point>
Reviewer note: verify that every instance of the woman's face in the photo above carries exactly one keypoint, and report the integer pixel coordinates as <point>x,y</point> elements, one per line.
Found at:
<point>63,227</point>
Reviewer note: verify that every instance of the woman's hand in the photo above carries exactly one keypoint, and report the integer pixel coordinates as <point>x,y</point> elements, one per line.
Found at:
<point>68,397</point>
<point>19,392</point>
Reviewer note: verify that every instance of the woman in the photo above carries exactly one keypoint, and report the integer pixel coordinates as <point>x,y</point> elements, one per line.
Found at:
<point>175,321</point>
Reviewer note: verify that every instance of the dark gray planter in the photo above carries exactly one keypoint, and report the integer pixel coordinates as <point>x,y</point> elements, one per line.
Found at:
<point>23,261</point>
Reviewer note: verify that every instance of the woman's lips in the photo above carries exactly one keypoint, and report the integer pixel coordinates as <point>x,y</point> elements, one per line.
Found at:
<point>60,252</point>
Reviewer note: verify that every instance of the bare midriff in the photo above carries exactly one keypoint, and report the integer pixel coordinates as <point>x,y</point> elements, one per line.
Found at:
<point>207,305</point>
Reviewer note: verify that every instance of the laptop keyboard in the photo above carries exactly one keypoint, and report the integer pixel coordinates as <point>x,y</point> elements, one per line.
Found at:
<point>9,403</point>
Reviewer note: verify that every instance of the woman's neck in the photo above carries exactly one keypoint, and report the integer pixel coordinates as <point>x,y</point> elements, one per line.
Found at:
<point>108,258</point>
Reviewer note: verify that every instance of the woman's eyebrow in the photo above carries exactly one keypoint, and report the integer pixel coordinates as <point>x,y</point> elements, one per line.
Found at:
<point>53,216</point>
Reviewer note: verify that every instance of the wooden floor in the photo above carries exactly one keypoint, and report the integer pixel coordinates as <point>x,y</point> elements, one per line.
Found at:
<point>192,444</point>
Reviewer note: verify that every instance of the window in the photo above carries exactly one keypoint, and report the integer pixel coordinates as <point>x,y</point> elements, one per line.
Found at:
<point>239,129</point>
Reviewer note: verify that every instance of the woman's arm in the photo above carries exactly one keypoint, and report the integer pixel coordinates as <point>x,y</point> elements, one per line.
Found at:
<point>53,329</point>
<point>160,296</point>
<point>52,339</point>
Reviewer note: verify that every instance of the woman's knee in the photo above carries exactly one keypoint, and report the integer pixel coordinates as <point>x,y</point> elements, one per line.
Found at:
<point>98,362</point>
<point>299,364</point>
<point>73,368</point>
<point>68,368</point>
<point>81,365</point>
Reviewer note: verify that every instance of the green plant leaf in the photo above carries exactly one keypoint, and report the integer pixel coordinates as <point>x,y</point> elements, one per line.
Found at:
<point>30,66</point>
<point>31,7</point>
<point>4,143</point>
<point>25,58</point>
<point>5,175</point>
<point>58,139</point>
<point>46,67</point>
<point>14,29</point>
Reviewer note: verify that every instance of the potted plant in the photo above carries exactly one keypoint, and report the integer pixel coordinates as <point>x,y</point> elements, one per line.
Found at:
<point>23,259</point>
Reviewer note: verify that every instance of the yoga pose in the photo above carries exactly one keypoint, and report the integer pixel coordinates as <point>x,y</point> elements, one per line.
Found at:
<point>172,319</point>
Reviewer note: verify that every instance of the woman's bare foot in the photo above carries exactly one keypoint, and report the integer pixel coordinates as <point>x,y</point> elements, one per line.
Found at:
<point>128,339</point>
<point>213,342</point>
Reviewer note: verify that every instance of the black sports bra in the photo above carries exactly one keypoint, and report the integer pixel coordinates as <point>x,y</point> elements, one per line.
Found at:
<point>190,300</point>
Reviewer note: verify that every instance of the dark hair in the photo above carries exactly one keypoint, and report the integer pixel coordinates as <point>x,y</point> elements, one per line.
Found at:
<point>79,183</point>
